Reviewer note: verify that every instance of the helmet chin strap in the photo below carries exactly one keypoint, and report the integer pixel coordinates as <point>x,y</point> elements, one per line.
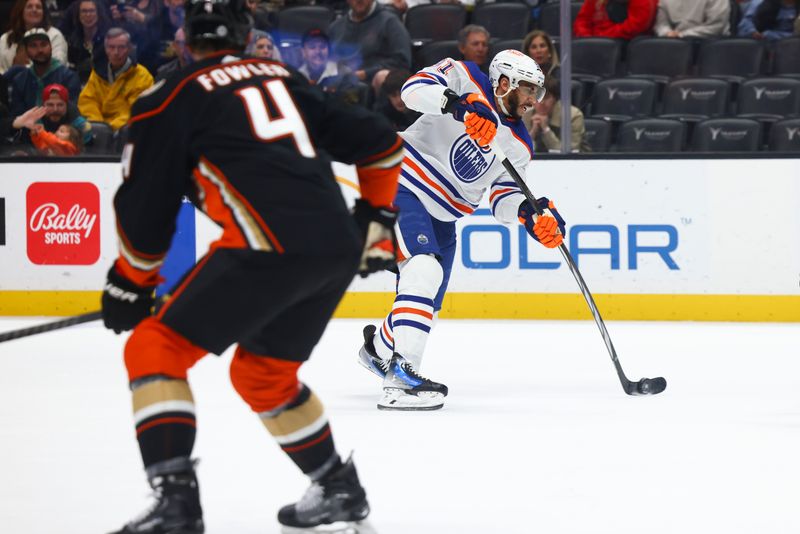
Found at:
<point>500,100</point>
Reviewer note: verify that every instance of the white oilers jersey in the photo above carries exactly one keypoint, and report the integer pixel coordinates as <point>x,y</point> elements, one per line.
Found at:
<point>443,167</point>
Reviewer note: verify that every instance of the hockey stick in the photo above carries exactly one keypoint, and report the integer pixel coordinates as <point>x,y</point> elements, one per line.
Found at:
<point>49,327</point>
<point>645,386</point>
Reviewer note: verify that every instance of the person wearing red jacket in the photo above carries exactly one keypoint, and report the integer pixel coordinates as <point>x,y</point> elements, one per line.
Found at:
<point>614,18</point>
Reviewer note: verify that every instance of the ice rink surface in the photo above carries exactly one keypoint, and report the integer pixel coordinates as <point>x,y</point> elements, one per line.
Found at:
<point>536,436</point>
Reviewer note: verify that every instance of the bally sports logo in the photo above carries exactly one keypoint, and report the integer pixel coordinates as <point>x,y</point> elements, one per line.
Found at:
<point>63,224</point>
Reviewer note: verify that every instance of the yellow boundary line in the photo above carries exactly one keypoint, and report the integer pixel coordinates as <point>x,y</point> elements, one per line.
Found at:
<point>756,308</point>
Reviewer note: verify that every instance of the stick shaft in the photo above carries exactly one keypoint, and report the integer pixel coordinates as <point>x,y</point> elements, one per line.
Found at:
<point>49,327</point>
<point>587,295</point>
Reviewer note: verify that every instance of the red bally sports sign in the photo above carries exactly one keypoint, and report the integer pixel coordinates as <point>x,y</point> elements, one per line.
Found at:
<point>63,223</point>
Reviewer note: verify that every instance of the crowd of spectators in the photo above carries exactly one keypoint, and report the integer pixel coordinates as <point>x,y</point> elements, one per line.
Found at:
<point>88,60</point>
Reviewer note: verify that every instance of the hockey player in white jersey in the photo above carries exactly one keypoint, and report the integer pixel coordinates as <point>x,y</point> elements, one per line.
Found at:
<point>447,168</point>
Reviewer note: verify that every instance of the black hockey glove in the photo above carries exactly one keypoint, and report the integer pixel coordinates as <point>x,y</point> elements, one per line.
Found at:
<point>125,304</point>
<point>377,229</point>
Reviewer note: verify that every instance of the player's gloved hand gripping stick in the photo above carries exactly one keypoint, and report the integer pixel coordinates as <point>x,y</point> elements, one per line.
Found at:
<point>645,386</point>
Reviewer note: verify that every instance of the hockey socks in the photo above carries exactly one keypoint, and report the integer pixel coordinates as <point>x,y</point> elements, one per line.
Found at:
<point>163,411</point>
<point>405,330</point>
<point>301,429</point>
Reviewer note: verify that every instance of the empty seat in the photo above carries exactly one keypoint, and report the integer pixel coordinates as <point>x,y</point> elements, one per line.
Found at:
<point>594,58</point>
<point>437,22</point>
<point>578,93</point>
<point>506,44</point>
<point>651,135</point>
<point>694,99</point>
<point>770,99</point>
<point>503,21</point>
<point>786,60</point>
<point>102,138</point>
<point>731,59</point>
<point>726,135</point>
<point>293,22</point>
<point>598,134</point>
<point>785,136</point>
<point>550,16</point>
<point>659,58</point>
<point>434,52</point>
<point>623,98</point>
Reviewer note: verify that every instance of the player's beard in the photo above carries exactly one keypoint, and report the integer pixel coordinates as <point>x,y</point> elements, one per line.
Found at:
<point>513,105</point>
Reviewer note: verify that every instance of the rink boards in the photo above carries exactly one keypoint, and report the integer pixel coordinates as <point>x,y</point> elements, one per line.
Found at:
<point>660,239</point>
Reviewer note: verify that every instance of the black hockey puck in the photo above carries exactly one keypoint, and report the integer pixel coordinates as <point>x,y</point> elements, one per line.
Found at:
<point>651,386</point>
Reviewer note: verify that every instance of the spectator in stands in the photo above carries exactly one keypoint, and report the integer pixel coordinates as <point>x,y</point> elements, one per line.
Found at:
<point>391,106</point>
<point>261,44</point>
<point>769,19</point>
<point>473,43</point>
<point>66,141</point>
<point>539,45</point>
<point>172,17</point>
<point>370,39</point>
<point>181,59</point>
<point>262,19</point>
<point>28,84</point>
<point>620,19</point>
<point>142,20</point>
<point>24,16</point>
<point>90,26</point>
<point>59,111</point>
<point>544,122</point>
<point>401,6</point>
<point>693,18</point>
<point>324,73</point>
<point>114,84</point>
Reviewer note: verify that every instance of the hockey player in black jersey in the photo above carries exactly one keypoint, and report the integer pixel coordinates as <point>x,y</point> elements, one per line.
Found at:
<point>250,142</point>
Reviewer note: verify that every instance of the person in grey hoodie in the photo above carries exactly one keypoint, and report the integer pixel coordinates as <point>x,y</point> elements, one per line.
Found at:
<point>370,40</point>
<point>693,18</point>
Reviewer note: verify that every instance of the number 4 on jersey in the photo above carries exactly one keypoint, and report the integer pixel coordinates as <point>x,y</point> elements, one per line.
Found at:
<point>288,123</point>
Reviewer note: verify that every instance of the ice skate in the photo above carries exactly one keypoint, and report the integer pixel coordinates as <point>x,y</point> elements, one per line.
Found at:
<point>368,356</point>
<point>177,505</point>
<point>405,389</point>
<point>337,500</point>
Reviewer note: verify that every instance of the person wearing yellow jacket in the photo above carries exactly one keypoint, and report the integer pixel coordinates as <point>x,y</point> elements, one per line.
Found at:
<point>115,83</point>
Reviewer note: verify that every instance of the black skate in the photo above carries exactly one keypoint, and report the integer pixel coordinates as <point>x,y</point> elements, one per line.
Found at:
<point>368,356</point>
<point>405,389</point>
<point>177,508</point>
<point>337,497</point>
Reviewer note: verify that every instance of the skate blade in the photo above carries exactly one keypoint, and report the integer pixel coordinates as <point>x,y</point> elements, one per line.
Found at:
<point>340,527</point>
<point>399,400</point>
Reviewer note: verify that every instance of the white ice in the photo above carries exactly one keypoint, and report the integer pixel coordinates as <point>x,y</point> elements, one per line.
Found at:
<point>536,436</point>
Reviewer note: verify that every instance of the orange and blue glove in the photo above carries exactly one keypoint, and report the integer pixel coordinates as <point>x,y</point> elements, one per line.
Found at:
<point>475,112</point>
<point>547,229</point>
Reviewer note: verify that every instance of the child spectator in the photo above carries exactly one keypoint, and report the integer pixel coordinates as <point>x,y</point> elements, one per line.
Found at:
<point>66,141</point>
<point>391,106</point>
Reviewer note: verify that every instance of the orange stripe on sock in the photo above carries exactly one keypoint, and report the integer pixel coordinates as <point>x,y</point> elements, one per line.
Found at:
<point>323,437</point>
<point>427,315</point>
<point>165,421</point>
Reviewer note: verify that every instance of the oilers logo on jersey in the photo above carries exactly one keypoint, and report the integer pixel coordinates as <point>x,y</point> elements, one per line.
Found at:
<point>467,159</point>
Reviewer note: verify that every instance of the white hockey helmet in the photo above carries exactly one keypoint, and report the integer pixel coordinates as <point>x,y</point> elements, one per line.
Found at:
<point>517,67</point>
